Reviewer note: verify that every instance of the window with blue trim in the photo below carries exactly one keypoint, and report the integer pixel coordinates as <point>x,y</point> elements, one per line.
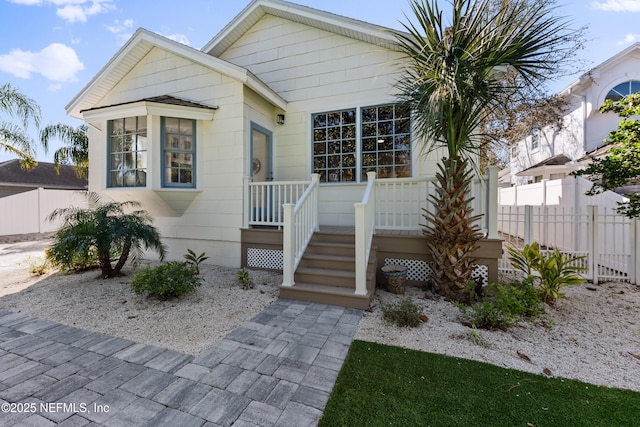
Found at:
<point>127,152</point>
<point>382,145</point>
<point>178,147</point>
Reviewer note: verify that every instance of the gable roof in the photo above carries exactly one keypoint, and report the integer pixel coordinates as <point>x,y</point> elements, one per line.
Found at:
<point>138,46</point>
<point>348,27</point>
<point>43,175</point>
<point>594,72</point>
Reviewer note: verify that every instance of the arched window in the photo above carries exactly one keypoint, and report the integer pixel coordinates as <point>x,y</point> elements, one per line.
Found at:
<point>623,89</point>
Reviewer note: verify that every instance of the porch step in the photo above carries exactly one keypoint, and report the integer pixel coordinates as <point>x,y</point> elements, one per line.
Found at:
<point>326,273</point>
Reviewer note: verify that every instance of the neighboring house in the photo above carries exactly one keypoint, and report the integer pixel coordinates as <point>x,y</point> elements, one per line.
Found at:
<point>27,197</point>
<point>14,179</point>
<point>556,151</point>
<point>214,141</point>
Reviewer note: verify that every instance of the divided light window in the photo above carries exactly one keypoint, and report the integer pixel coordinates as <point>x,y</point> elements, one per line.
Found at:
<point>334,146</point>
<point>178,146</point>
<point>128,152</point>
<point>386,141</point>
<point>383,145</point>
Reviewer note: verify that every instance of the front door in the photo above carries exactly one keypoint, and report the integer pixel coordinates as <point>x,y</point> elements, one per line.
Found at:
<point>260,154</point>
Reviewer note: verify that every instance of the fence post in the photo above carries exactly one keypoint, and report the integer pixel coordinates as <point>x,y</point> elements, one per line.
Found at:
<point>492,208</point>
<point>592,230</point>
<point>288,246</point>
<point>528,224</point>
<point>634,267</point>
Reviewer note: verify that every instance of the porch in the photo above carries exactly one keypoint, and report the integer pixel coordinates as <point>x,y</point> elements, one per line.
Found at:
<point>330,249</point>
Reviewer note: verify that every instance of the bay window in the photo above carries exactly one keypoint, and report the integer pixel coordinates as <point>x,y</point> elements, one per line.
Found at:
<point>127,152</point>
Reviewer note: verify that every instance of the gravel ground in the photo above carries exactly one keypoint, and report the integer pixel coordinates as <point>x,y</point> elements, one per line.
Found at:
<point>593,334</point>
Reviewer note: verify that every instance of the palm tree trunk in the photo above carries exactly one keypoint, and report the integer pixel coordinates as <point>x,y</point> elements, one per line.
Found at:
<point>452,231</point>
<point>123,258</point>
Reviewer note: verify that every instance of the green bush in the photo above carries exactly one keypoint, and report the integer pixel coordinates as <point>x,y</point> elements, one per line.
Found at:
<point>66,256</point>
<point>504,305</point>
<point>166,281</point>
<point>550,271</point>
<point>403,313</point>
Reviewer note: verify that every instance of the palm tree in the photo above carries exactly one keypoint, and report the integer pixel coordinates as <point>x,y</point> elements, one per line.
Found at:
<point>13,137</point>
<point>106,230</point>
<point>451,84</point>
<point>76,150</point>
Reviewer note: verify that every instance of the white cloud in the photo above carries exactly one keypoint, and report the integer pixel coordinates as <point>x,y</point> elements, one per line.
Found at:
<point>118,27</point>
<point>54,87</point>
<point>180,38</point>
<point>629,38</point>
<point>617,5</point>
<point>55,62</point>
<point>73,10</point>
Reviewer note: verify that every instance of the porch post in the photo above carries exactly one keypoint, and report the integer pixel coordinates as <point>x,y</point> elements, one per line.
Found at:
<point>315,178</point>
<point>246,202</point>
<point>288,246</point>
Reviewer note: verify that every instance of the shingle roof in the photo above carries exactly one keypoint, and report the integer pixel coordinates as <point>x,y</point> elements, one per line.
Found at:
<point>163,99</point>
<point>44,175</point>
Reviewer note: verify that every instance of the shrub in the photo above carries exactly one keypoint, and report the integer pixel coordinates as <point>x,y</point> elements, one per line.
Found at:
<point>103,232</point>
<point>550,271</point>
<point>194,260</point>
<point>166,281</point>
<point>403,313</point>
<point>504,305</point>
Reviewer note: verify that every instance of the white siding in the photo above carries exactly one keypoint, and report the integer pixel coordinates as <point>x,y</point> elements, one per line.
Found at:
<point>186,218</point>
<point>315,71</point>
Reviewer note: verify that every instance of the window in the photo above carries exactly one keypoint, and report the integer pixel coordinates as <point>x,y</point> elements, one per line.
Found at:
<point>178,146</point>
<point>128,152</point>
<point>334,146</point>
<point>384,145</point>
<point>623,89</point>
<point>535,139</point>
<point>386,142</point>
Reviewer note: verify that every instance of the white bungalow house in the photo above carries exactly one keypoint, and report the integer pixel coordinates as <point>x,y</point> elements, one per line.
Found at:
<point>554,152</point>
<point>267,138</point>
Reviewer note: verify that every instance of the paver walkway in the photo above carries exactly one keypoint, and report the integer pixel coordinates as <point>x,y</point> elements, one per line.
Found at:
<point>278,369</point>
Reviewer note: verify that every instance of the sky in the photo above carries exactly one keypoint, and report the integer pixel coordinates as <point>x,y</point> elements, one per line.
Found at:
<point>50,49</point>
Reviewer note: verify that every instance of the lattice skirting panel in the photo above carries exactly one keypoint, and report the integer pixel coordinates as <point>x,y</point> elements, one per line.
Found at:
<point>264,258</point>
<point>420,271</point>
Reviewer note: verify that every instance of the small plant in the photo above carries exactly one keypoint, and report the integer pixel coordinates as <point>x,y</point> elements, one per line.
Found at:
<point>166,281</point>
<point>194,260</point>
<point>243,277</point>
<point>504,305</point>
<point>403,313</point>
<point>550,271</point>
<point>476,338</point>
<point>37,265</point>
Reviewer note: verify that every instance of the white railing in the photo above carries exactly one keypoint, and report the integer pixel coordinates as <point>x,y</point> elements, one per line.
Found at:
<point>265,200</point>
<point>365,226</point>
<point>300,222</point>
<point>401,202</point>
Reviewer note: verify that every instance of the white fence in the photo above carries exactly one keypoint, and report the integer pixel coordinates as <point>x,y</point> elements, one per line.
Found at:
<point>27,212</point>
<point>579,225</point>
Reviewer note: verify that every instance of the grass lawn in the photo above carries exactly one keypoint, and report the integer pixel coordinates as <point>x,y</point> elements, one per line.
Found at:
<point>381,385</point>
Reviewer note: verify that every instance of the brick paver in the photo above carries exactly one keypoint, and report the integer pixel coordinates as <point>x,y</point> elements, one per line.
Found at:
<point>278,368</point>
